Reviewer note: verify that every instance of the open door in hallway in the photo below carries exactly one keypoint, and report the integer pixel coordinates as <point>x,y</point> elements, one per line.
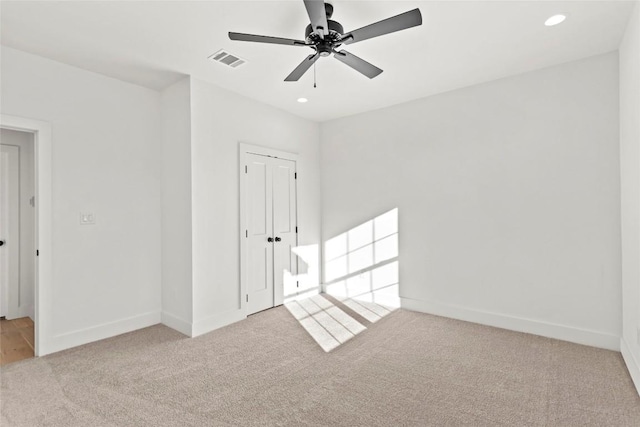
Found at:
<point>9,230</point>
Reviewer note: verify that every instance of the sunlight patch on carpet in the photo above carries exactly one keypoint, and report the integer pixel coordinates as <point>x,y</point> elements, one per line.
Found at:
<point>327,324</point>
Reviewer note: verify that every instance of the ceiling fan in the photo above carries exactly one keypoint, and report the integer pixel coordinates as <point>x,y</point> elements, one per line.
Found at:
<point>325,36</point>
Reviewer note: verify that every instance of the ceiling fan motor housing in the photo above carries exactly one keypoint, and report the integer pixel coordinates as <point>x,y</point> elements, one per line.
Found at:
<point>331,40</point>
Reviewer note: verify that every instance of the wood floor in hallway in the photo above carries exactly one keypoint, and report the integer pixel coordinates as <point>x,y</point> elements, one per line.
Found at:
<point>16,340</point>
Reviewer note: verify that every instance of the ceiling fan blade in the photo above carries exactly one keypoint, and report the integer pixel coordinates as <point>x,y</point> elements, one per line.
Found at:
<point>265,39</point>
<point>302,68</point>
<point>413,18</point>
<point>318,16</point>
<point>357,64</point>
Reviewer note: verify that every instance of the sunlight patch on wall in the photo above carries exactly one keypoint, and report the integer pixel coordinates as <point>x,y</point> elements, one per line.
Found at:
<point>361,267</point>
<point>363,246</point>
<point>379,285</point>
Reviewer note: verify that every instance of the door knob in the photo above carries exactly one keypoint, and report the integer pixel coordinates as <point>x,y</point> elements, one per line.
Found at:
<point>1,242</point>
<point>278,239</point>
<point>270,239</point>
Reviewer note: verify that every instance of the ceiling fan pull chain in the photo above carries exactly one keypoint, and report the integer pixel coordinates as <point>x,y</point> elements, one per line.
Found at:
<point>314,75</point>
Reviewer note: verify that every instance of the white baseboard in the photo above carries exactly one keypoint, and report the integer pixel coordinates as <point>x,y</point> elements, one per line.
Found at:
<point>632,363</point>
<point>302,294</point>
<point>217,321</point>
<point>26,311</point>
<point>519,324</point>
<point>100,332</point>
<point>174,322</point>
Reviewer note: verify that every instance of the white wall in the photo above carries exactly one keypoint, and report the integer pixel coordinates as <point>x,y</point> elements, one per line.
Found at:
<point>630,188</point>
<point>508,196</point>
<point>220,121</point>
<point>160,173</point>
<point>177,295</point>
<point>106,160</point>
<point>24,141</point>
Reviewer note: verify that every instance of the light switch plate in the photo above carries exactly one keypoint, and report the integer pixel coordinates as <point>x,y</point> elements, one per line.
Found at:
<point>87,218</point>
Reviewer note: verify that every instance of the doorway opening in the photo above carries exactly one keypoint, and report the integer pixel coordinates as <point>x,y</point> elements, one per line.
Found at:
<point>17,245</point>
<point>26,254</point>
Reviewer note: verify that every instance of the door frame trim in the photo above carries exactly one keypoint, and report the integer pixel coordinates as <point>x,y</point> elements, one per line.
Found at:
<point>245,149</point>
<point>43,293</point>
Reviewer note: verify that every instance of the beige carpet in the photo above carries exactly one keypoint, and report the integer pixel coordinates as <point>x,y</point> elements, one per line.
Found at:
<point>406,369</point>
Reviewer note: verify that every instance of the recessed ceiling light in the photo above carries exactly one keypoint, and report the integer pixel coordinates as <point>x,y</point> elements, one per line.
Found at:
<point>302,100</point>
<point>555,20</point>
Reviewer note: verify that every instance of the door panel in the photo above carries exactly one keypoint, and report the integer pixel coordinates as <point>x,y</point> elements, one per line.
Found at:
<point>282,178</point>
<point>9,230</point>
<point>259,269</point>
<point>258,198</point>
<point>284,220</point>
<point>259,272</point>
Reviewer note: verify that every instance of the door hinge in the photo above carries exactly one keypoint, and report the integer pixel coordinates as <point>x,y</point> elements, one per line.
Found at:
<point>245,169</point>
<point>297,284</point>
<point>295,175</point>
<point>247,297</point>
<point>296,228</point>
<point>37,252</point>
<point>246,233</point>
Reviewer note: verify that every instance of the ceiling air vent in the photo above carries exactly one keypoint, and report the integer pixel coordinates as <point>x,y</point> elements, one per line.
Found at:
<point>226,58</point>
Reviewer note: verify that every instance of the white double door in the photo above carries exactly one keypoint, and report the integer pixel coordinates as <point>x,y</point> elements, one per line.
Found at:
<point>269,264</point>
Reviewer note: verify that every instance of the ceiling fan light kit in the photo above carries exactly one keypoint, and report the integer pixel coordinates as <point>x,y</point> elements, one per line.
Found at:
<point>325,36</point>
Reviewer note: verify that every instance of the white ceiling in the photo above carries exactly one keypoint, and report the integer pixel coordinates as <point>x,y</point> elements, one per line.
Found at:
<point>460,43</point>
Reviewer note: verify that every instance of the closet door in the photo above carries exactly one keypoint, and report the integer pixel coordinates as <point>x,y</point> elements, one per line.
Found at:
<point>284,228</point>
<point>269,265</point>
<point>259,233</point>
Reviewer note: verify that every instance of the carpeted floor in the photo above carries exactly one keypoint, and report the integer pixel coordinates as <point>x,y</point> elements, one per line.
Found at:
<point>406,369</point>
